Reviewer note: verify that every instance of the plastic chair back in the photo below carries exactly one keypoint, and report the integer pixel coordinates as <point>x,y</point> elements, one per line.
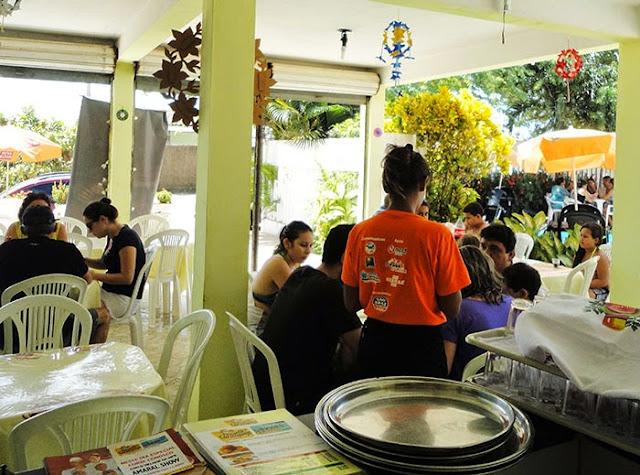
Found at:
<point>82,242</point>
<point>85,425</point>
<point>606,250</point>
<point>73,225</point>
<point>147,225</point>
<point>132,313</point>
<point>474,365</point>
<point>171,250</point>
<point>588,268</point>
<point>246,344</point>
<point>524,245</point>
<point>3,231</point>
<point>66,285</point>
<point>39,320</point>
<point>200,325</point>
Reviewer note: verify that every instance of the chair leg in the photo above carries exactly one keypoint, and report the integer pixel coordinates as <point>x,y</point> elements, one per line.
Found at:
<point>166,297</point>
<point>153,300</point>
<point>177,296</point>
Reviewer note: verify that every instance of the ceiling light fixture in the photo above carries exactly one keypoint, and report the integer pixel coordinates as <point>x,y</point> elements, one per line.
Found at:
<point>343,41</point>
<point>7,7</point>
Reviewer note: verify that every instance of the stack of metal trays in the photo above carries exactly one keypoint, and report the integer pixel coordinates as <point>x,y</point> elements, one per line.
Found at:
<point>407,424</point>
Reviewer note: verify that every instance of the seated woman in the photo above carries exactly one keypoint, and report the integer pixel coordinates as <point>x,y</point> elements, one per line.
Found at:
<point>584,195</point>
<point>590,239</point>
<point>483,307</point>
<point>35,199</point>
<point>558,193</point>
<point>123,256</point>
<point>292,250</point>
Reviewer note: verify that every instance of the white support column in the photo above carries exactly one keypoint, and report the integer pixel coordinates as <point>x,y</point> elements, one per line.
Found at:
<point>374,152</point>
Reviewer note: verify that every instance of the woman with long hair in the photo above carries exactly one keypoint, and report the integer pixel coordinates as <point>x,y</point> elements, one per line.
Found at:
<point>406,272</point>
<point>591,235</point>
<point>123,257</point>
<point>292,250</point>
<point>483,307</point>
<point>35,199</point>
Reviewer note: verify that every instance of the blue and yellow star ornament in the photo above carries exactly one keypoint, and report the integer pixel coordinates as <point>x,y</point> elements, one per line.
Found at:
<point>397,43</point>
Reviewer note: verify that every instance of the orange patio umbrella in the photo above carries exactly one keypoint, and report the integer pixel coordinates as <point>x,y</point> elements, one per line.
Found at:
<point>566,151</point>
<point>24,144</point>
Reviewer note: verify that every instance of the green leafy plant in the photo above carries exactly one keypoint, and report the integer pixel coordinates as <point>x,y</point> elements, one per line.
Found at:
<point>164,196</point>
<point>546,244</point>
<point>60,193</point>
<point>336,204</point>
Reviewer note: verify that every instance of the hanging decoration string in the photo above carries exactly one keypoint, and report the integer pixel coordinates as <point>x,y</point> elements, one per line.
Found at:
<point>505,7</point>
<point>568,65</point>
<point>396,43</point>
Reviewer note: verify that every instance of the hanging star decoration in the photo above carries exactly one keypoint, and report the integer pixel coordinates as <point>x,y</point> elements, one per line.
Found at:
<point>397,43</point>
<point>180,75</point>
<point>568,65</point>
<point>262,83</point>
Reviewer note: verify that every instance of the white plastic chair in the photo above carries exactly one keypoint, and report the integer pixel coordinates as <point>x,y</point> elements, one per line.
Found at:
<point>472,367</point>
<point>73,225</point>
<point>200,325</point>
<point>147,225</point>
<point>606,250</point>
<point>172,250</point>
<point>66,285</point>
<point>84,425</point>
<point>3,232</point>
<point>588,268</point>
<point>132,314</point>
<point>38,320</point>
<point>82,242</point>
<point>246,343</point>
<point>524,245</point>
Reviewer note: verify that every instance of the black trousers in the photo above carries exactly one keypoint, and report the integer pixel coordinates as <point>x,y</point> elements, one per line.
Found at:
<point>388,349</point>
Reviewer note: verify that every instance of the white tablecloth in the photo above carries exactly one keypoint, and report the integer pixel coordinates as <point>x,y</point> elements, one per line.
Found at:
<point>553,278</point>
<point>35,382</point>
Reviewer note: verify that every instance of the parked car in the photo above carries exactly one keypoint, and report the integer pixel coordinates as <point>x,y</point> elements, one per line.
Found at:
<point>40,184</point>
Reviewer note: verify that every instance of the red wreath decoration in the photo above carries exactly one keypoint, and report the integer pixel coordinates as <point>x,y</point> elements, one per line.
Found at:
<point>569,64</point>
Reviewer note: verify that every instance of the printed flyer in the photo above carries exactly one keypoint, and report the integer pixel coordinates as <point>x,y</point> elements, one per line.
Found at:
<point>272,442</point>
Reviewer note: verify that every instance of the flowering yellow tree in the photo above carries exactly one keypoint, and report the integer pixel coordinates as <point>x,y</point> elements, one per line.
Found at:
<point>458,140</point>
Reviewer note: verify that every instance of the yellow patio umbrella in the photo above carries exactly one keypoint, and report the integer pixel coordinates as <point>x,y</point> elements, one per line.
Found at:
<point>566,151</point>
<point>24,144</point>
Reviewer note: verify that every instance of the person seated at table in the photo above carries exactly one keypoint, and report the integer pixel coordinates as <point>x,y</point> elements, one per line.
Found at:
<point>34,199</point>
<point>591,235</point>
<point>606,190</point>
<point>314,337</point>
<point>293,249</point>
<point>584,195</point>
<point>38,254</point>
<point>474,221</point>
<point>558,193</point>
<point>499,241</point>
<point>521,281</point>
<point>423,209</point>
<point>484,307</point>
<point>468,240</point>
<point>123,256</point>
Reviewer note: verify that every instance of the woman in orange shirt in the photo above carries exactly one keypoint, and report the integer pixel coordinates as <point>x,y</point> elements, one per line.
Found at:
<point>407,273</point>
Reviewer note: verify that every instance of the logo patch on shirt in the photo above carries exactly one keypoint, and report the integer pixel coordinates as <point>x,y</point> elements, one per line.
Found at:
<point>397,251</point>
<point>370,247</point>
<point>394,281</point>
<point>369,261</point>
<point>380,303</point>
<point>369,277</point>
<point>396,265</point>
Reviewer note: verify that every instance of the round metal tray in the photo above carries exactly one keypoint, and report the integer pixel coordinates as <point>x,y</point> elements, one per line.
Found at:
<point>416,415</point>
<point>519,440</point>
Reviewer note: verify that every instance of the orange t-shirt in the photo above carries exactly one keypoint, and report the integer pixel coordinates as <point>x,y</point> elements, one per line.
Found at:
<point>399,262</point>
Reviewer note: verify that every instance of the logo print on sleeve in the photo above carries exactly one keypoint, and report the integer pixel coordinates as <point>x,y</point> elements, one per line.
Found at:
<point>396,265</point>
<point>369,277</point>
<point>369,261</point>
<point>370,247</point>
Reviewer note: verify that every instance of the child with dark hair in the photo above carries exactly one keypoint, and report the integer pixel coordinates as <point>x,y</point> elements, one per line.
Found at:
<point>423,209</point>
<point>591,235</point>
<point>473,219</point>
<point>35,199</point>
<point>469,240</point>
<point>521,281</point>
<point>407,273</point>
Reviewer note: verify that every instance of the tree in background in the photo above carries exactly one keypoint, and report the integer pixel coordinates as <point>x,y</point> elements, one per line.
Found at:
<point>534,98</point>
<point>52,129</point>
<point>458,140</point>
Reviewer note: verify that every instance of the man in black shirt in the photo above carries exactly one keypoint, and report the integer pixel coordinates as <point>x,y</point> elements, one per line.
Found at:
<point>21,259</point>
<point>313,335</point>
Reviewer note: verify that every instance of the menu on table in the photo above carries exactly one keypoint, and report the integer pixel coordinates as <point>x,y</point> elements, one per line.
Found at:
<point>272,442</point>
